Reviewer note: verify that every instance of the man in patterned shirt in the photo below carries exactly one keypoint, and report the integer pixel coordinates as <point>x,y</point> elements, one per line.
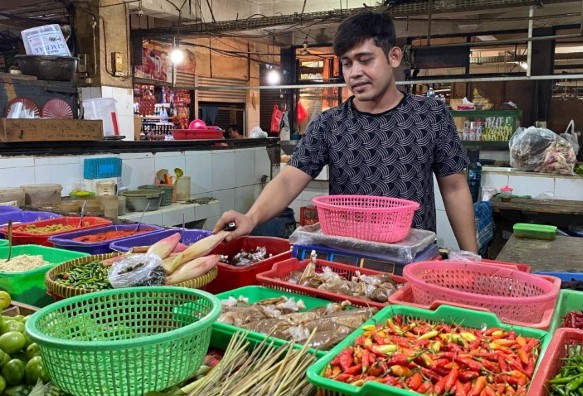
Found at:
<point>379,142</point>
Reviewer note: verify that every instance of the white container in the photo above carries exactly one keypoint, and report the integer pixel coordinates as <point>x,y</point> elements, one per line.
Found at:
<point>103,109</point>
<point>45,40</point>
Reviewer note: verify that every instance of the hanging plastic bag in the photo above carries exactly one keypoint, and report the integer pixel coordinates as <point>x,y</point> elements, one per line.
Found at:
<point>571,136</point>
<point>302,113</point>
<point>276,118</point>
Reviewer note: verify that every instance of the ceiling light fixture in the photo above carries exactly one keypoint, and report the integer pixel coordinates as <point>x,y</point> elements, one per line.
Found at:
<point>177,54</point>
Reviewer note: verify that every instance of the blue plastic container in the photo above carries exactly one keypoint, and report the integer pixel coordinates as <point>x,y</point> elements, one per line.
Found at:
<point>389,264</point>
<point>564,276</point>
<point>22,216</point>
<point>188,237</point>
<point>6,213</point>
<point>66,240</point>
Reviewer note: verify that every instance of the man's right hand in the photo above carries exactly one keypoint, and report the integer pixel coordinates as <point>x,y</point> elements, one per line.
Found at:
<point>243,224</point>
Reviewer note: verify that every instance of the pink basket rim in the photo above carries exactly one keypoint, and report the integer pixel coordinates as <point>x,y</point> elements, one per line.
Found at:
<point>321,201</point>
<point>554,282</point>
<point>396,298</point>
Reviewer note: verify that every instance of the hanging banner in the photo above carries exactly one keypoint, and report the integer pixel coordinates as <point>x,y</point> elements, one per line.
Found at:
<point>156,63</point>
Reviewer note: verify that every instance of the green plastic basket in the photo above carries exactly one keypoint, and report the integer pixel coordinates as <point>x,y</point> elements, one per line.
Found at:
<point>124,342</point>
<point>222,332</point>
<point>569,300</point>
<point>3,242</point>
<point>167,192</point>
<point>443,314</point>
<point>29,286</point>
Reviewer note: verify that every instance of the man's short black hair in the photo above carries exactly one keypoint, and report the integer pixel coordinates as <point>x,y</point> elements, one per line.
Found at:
<point>234,127</point>
<point>362,26</point>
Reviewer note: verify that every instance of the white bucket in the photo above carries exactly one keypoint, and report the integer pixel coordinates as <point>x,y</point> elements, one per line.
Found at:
<point>45,40</point>
<point>102,109</point>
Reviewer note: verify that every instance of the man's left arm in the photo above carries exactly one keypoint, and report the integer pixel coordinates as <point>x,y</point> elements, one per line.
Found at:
<point>460,209</point>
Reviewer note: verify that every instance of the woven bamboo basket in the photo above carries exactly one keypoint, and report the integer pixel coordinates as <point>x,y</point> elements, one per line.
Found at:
<point>60,291</point>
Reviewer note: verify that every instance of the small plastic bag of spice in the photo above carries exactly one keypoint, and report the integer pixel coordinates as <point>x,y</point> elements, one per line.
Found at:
<point>137,270</point>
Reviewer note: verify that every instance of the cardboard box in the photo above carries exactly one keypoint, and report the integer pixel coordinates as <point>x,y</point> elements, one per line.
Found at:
<point>49,130</point>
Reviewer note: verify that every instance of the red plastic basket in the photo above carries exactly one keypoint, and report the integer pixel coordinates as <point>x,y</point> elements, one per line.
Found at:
<point>23,238</point>
<point>278,277</point>
<point>564,342</point>
<point>231,277</point>
<point>404,296</point>
<point>377,219</point>
<point>509,293</point>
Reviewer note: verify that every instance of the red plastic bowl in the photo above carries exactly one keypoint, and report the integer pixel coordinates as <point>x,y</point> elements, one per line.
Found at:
<point>197,124</point>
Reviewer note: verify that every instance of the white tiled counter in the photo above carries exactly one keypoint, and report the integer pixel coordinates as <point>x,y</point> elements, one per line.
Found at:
<point>173,215</point>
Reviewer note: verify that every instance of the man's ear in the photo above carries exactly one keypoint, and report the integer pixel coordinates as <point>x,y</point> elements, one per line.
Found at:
<point>395,56</point>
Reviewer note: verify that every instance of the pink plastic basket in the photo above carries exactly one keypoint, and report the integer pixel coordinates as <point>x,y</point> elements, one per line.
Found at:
<point>511,294</point>
<point>377,219</point>
<point>564,342</point>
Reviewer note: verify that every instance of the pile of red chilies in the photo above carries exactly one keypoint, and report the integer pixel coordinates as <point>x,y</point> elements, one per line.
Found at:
<point>438,359</point>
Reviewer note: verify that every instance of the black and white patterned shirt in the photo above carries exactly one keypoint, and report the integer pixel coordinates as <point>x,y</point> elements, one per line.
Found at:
<point>389,154</point>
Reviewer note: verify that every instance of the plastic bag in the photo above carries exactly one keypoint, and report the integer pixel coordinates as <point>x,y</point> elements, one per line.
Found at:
<point>257,132</point>
<point>137,270</point>
<point>463,255</point>
<point>302,113</point>
<point>541,150</point>
<point>276,118</point>
<point>571,136</point>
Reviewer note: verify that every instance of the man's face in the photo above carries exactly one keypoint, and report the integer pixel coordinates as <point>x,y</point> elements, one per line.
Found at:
<point>232,133</point>
<point>368,71</point>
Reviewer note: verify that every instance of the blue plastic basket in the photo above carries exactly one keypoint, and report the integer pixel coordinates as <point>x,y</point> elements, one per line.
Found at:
<point>188,237</point>
<point>564,276</point>
<point>6,213</point>
<point>101,168</point>
<point>67,241</point>
<point>22,216</point>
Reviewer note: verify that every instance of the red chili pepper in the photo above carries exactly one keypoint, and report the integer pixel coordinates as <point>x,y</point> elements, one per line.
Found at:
<point>502,363</point>
<point>425,388</point>
<point>389,379</point>
<point>379,340</point>
<point>414,381</point>
<point>346,360</point>
<point>344,378</point>
<point>459,389</point>
<point>489,391</point>
<point>488,365</point>
<point>531,344</point>
<point>375,370</point>
<point>356,369</point>
<point>398,359</point>
<point>364,361</point>
<point>467,375</point>
<point>511,335</point>
<point>523,356</point>
<point>451,378</point>
<point>469,363</point>
<point>530,367</point>
<point>478,386</point>
<point>439,387</point>
<point>360,340</point>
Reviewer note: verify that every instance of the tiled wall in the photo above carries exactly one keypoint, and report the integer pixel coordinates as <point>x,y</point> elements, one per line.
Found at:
<point>124,104</point>
<point>232,176</point>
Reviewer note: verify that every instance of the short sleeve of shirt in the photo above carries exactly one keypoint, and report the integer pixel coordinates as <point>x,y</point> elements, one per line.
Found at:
<point>311,153</point>
<point>450,155</point>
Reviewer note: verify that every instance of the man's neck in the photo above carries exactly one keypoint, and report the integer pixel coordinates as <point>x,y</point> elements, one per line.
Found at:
<point>386,103</point>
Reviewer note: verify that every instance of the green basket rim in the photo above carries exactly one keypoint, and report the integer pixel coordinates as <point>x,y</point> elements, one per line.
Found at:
<point>444,313</point>
<point>93,346</point>
<point>39,269</point>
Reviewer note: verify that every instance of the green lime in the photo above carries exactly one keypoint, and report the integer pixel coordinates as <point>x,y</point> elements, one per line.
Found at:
<point>178,172</point>
<point>13,371</point>
<point>32,350</point>
<point>12,325</point>
<point>12,342</point>
<point>34,370</point>
<point>2,385</point>
<point>4,358</point>
<point>19,318</point>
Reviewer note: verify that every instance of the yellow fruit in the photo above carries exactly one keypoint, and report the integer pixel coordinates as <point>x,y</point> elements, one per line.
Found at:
<point>5,299</point>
